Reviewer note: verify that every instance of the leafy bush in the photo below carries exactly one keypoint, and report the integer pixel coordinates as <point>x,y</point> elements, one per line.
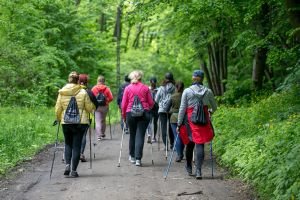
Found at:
<point>261,143</point>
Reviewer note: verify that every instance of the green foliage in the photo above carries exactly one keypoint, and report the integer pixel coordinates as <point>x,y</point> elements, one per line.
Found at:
<point>261,143</point>
<point>24,132</point>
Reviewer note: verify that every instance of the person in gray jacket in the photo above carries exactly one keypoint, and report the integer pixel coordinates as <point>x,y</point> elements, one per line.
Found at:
<point>163,98</point>
<point>200,134</point>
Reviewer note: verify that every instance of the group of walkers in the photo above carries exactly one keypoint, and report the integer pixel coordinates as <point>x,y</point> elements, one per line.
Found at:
<point>170,108</point>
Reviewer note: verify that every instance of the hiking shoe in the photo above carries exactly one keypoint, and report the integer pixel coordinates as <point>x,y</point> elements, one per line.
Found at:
<point>178,158</point>
<point>102,136</point>
<point>126,131</point>
<point>149,139</point>
<point>153,140</point>
<point>82,158</point>
<point>99,138</point>
<point>138,163</point>
<point>74,174</point>
<point>132,160</point>
<point>67,170</point>
<point>198,174</point>
<point>189,170</point>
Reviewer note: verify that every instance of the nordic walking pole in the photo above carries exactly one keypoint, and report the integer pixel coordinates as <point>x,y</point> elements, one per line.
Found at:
<point>211,158</point>
<point>167,135</point>
<point>56,143</point>
<point>90,138</point>
<point>109,124</point>
<point>158,132</point>
<point>123,132</point>
<point>170,160</point>
<point>94,134</point>
<point>152,125</point>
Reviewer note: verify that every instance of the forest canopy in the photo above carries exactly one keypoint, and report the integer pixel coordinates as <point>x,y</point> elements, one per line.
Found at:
<point>242,46</point>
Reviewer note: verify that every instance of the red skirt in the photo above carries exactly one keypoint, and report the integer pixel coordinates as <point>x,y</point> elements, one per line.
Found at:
<point>201,134</point>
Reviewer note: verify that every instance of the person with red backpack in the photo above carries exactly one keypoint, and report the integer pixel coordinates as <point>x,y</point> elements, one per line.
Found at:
<point>193,123</point>
<point>104,97</point>
<point>136,105</point>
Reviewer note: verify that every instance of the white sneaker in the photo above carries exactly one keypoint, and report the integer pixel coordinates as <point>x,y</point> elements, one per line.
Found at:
<point>138,163</point>
<point>132,159</point>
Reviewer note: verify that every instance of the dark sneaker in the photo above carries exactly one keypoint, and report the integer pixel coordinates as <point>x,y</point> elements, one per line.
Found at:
<point>149,139</point>
<point>74,174</point>
<point>82,158</point>
<point>126,131</point>
<point>198,174</point>
<point>189,170</point>
<point>178,159</point>
<point>67,170</point>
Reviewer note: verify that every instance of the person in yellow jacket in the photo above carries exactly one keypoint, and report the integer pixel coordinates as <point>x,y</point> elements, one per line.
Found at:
<point>73,133</point>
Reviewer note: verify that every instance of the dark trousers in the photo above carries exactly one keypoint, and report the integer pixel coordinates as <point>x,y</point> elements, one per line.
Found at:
<point>83,143</point>
<point>164,119</point>
<point>199,154</point>
<point>137,129</point>
<point>154,116</point>
<point>73,134</point>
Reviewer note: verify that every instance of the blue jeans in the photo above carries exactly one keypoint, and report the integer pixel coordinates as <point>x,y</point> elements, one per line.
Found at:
<point>179,146</point>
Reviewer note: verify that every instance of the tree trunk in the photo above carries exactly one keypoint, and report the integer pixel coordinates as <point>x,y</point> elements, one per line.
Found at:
<point>217,53</point>
<point>127,36</point>
<point>102,22</point>
<point>137,37</point>
<point>259,66</point>
<point>117,34</point>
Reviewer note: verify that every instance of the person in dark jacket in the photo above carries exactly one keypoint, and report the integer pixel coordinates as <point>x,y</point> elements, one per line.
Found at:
<point>201,134</point>
<point>154,112</point>
<point>175,102</point>
<point>120,96</point>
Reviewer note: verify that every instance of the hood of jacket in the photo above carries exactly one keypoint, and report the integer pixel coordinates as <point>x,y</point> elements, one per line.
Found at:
<point>170,88</point>
<point>199,90</point>
<point>70,89</point>
<point>100,87</point>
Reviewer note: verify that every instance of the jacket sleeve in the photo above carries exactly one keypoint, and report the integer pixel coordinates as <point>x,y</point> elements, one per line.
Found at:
<point>58,108</point>
<point>212,100</point>
<point>158,95</point>
<point>182,108</point>
<point>88,105</point>
<point>109,96</point>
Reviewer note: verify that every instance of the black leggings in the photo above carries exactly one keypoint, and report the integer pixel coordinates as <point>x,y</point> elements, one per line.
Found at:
<point>199,154</point>
<point>137,130</point>
<point>73,134</point>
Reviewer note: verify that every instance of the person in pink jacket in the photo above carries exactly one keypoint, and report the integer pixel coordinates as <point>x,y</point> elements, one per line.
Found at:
<point>137,125</point>
<point>101,111</point>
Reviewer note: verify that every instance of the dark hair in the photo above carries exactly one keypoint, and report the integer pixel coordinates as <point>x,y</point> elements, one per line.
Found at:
<point>73,77</point>
<point>126,78</point>
<point>168,78</point>
<point>83,79</point>
<point>179,86</point>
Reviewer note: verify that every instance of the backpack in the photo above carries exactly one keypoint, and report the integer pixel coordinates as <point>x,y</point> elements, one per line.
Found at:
<point>72,115</point>
<point>137,109</point>
<point>101,98</point>
<point>198,115</point>
<point>165,102</point>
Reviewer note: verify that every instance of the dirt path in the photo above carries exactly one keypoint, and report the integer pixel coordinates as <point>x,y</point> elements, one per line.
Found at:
<point>105,180</point>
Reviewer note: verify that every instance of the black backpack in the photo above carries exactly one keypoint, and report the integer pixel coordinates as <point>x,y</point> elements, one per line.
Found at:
<point>101,98</point>
<point>137,109</point>
<point>198,114</point>
<point>72,115</point>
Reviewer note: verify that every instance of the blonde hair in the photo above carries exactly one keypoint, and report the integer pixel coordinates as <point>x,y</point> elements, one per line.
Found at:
<point>136,76</point>
<point>73,77</point>
<point>101,79</point>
